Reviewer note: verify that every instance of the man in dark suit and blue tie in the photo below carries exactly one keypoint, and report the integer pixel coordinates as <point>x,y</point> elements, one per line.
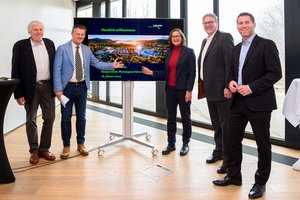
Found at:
<point>255,69</point>
<point>32,63</point>
<point>71,81</point>
<point>213,67</point>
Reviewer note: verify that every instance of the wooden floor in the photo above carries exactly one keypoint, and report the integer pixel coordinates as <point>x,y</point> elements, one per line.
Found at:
<point>122,173</point>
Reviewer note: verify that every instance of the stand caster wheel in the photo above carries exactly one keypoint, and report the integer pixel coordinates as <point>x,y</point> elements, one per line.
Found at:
<point>100,152</point>
<point>154,152</point>
<point>111,137</point>
<point>148,137</point>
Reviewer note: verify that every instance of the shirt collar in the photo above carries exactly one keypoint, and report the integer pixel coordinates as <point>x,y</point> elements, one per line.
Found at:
<point>212,36</point>
<point>75,45</point>
<point>249,40</point>
<point>36,44</point>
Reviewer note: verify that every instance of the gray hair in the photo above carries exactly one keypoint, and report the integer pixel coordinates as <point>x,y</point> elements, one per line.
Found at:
<point>32,24</point>
<point>213,15</point>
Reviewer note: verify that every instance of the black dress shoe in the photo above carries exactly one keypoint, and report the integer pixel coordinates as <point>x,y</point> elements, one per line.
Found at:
<point>257,191</point>
<point>168,149</point>
<point>184,150</point>
<point>213,159</point>
<point>228,181</point>
<point>222,170</point>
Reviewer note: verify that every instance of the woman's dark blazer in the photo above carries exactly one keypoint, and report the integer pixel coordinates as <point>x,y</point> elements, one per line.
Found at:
<point>185,69</point>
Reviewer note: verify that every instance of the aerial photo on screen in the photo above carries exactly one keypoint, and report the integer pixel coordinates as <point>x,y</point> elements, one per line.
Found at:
<point>131,49</point>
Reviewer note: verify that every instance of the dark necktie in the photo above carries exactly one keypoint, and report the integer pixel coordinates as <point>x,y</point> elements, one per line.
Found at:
<point>78,65</point>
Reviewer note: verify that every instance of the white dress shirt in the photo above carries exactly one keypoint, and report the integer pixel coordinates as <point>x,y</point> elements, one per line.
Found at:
<point>73,79</point>
<point>41,59</point>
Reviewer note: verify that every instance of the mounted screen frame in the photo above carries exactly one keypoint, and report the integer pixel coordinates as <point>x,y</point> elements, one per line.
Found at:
<point>137,42</point>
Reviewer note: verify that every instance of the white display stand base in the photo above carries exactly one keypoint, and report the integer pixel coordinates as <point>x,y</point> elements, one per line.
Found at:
<point>127,122</point>
<point>296,165</point>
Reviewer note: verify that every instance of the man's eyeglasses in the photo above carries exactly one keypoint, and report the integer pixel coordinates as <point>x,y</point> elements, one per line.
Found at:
<point>208,23</point>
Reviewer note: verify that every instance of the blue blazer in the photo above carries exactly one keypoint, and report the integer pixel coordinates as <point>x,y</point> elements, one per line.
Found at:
<point>63,66</point>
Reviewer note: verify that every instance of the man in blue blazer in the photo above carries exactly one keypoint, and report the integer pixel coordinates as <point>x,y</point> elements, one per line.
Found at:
<point>254,71</point>
<point>71,81</point>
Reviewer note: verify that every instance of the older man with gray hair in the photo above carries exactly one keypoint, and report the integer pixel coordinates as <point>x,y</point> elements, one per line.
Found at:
<point>32,63</point>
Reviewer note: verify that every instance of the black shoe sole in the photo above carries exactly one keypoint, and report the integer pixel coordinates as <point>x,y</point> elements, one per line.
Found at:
<point>222,171</point>
<point>183,154</point>
<point>167,152</point>
<point>213,161</point>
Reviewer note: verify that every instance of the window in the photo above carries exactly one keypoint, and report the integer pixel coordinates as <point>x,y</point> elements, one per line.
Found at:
<point>85,11</point>
<point>140,9</point>
<point>116,8</point>
<point>195,36</point>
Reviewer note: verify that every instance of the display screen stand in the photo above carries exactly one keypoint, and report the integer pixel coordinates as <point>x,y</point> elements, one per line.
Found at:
<point>127,122</point>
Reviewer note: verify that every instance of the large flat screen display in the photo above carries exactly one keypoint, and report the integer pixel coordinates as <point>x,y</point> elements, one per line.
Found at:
<point>137,42</point>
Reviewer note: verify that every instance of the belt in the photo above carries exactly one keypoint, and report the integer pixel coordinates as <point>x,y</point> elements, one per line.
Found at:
<point>42,82</point>
<point>77,83</point>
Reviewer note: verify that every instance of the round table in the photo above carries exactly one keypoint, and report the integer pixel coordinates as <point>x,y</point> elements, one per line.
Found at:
<point>7,86</point>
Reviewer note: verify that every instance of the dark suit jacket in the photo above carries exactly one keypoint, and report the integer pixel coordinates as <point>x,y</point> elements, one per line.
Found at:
<point>261,70</point>
<point>185,69</point>
<point>216,65</point>
<point>24,68</point>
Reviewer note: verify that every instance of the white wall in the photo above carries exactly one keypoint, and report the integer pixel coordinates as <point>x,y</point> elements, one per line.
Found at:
<point>57,16</point>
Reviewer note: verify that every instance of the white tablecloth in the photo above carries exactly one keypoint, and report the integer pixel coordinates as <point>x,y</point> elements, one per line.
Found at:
<point>291,104</point>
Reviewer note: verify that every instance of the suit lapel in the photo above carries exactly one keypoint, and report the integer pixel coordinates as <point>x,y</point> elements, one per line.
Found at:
<point>214,39</point>
<point>236,58</point>
<point>251,49</point>
<point>182,53</point>
<point>69,52</point>
<point>28,48</point>
<point>202,46</point>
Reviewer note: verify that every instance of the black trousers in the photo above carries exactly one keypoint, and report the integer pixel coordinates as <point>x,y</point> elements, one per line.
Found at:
<point>43,98</point>
<point>240,115</point>
<point>175,98</point>
<point>219,113</point>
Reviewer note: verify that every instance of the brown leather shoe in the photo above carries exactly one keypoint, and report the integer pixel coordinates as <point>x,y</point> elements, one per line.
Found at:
<point>34,158</point>
<point>65,153</point>
<point>82,150</point>
<point>47,155</point>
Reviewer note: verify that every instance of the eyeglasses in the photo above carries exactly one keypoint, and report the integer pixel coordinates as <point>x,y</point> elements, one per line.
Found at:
<point>208,23</point>
<point>176,36</point>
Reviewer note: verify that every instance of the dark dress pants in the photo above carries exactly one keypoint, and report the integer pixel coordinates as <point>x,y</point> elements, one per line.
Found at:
<point>219,113</point>
<point>174,98</point>
<point>240,115</point>
<point>43,97</point>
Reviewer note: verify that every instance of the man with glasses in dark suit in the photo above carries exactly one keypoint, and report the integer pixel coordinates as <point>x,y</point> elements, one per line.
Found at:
<point>213,66</point>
